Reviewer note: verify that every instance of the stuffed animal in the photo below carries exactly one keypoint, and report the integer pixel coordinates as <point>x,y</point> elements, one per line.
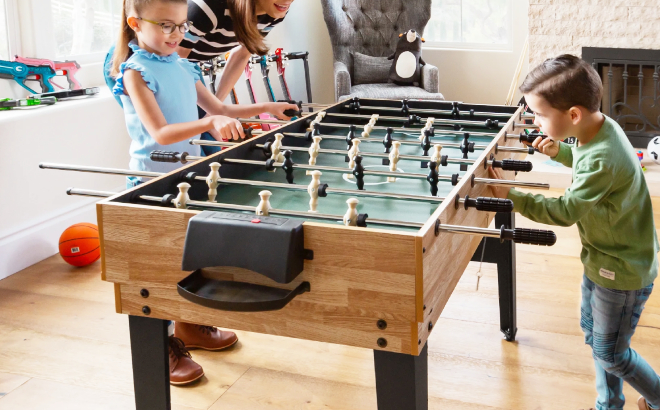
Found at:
<point>406,67</point>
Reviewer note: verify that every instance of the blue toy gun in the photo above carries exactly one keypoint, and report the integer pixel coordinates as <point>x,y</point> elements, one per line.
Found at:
<point>21,73</point>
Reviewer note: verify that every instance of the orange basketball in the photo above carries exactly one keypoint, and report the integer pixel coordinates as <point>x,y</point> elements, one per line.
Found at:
<point>79,244</point>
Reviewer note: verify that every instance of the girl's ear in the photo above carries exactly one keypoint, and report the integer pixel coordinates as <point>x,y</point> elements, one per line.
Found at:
<point>133,23</point>
<point>400,35</point>
<point>423,41</point>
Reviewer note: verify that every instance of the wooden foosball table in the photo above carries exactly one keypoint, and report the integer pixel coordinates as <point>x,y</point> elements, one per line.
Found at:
<point>351,225</point>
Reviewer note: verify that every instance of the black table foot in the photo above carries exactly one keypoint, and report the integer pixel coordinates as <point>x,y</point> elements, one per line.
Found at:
<point>402,380</point>
<point>151,366</point>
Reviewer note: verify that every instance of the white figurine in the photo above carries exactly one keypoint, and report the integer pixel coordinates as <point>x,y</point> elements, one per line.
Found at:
<point>394,158</point>
<point>314,151</point>
<point>264,205</point>
<point>212,181</point>
<point>276,147</point>
<point>435,155</point>
<point>182,198</point>
<point>352,153</point>
<point>313,190</point>
<point>350,218</point>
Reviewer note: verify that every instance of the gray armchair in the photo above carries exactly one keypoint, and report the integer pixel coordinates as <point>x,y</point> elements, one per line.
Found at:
<point>372,28</point>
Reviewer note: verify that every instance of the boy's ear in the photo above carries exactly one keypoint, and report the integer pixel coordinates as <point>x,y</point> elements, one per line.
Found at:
<point>423,41</point>
<point>133,23</point>
<point>400,35</point>
<point>576,114</point>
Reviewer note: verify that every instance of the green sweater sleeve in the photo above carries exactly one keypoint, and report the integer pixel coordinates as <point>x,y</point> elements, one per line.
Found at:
<point>592,182</point>
<point>565,155</point>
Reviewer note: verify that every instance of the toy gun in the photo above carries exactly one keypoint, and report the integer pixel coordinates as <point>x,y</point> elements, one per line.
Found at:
<point>67,68</point>
<point>298,55</point>
<point>265,70</point>
<point>64,94</point>
<point>279,57</point>
<point>19,72</point>
<point>8,103</point>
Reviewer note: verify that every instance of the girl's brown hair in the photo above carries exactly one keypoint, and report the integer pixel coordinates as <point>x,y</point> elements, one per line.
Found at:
<point>126,33</point>
<point>244,17</point>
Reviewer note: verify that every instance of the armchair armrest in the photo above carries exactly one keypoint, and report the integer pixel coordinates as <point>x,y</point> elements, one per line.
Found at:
<point>342,80</point>
<point>430,78</point>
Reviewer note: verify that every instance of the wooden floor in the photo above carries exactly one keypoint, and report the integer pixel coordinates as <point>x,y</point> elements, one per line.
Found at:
<point>63,347</point>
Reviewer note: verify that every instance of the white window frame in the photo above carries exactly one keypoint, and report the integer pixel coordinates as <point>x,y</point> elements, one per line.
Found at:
<point>443,45</point>
<point>38,27</point>
<point>13,28</point>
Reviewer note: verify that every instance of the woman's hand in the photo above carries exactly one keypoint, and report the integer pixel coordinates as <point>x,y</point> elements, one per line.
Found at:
<point>498,191</point>
<point>227,128</point>
<point>277,110</point>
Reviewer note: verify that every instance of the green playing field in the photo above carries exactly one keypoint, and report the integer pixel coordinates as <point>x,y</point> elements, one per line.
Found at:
<point>379,208</point>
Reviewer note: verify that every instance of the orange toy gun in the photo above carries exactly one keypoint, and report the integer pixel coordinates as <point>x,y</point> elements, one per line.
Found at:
<point>67,68</point>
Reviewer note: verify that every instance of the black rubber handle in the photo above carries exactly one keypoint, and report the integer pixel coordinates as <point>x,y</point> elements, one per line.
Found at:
<point>168,156</point>
<point>530,236</point>
<point>530,138</point>
<point>236,296</point>
<point>292,113</point>
<point>297,55</point>
<point>492,204</point>
<point>513,165</point>
<point>298,103</point>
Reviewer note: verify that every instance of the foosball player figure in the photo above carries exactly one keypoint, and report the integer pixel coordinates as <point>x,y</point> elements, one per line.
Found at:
<point>610,202</point>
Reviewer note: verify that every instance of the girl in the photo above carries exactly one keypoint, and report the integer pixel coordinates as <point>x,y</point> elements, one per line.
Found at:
<point>160,93</point>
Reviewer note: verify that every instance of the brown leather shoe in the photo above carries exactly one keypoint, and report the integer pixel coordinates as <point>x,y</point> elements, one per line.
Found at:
<point>642,404</point>
<point>204,337</point>
<point>183,369</point>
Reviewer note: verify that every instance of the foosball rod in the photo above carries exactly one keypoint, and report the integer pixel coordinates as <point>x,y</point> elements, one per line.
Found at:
<point>480,203</point>
<point>409,175</point>
<point>444,132</point>
<point>454,179</point>
<point>518,235</point>
<point>445,112</point>
<point>404,142</point>
<point>438,121</point>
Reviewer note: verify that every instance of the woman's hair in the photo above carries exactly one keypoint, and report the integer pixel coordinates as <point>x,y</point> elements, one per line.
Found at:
<point>244,17</point>
<point>126,33</point>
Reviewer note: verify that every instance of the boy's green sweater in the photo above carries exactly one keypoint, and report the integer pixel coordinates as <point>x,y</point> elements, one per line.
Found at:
<point>610,203</point>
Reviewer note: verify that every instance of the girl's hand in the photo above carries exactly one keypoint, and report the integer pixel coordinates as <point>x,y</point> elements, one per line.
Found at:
<point>498,191</point>
<point>227,128</point>
<point>547,146</point>
<point>277,110</point>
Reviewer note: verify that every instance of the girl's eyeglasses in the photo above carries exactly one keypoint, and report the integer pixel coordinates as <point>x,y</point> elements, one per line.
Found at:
<point>168,28</point>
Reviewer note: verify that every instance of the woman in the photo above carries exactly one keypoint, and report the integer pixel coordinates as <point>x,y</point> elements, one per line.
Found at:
<point>219,26</point>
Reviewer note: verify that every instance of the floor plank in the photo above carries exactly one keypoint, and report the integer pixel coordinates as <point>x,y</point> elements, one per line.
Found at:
<point>9,382</point>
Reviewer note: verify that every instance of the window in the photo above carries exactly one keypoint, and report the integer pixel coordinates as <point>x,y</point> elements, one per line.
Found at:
<point>84,27</point>
<point>484,24</point>
<point>4,34</point>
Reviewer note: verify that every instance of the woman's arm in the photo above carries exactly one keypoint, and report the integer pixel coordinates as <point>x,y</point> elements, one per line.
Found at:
<point>213,106</point>
<point>236,63</point>
<point>154,121</point>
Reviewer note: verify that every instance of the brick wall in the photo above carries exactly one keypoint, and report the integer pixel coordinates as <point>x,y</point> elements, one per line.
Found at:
<point>565,26</point>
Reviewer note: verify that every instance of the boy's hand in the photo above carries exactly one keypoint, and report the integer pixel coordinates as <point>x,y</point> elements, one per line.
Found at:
<point>277,110</point>
<point>547,146</point>
<point>498,191</point>
<point>227,128</point>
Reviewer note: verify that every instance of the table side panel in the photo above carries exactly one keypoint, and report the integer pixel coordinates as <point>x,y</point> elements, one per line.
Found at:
<point>357,277</point>
<point>448,254</point>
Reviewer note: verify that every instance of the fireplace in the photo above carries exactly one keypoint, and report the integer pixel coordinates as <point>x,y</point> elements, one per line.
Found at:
<point>631,89</point>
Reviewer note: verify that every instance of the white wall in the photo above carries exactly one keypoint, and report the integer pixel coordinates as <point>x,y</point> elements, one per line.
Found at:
<point>35,208</point>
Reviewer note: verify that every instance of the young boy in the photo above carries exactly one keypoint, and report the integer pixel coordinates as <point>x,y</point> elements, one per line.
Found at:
<point>610,203</point>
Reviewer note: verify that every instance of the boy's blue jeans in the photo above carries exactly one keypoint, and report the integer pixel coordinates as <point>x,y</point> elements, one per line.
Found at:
<point>609,318</point>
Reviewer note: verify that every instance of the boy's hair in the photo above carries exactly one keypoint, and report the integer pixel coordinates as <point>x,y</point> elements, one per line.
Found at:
<point>565,81</point>
<point>126,33</point>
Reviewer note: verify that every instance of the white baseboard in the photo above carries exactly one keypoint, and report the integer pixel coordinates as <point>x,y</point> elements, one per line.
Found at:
<point>32,244</point>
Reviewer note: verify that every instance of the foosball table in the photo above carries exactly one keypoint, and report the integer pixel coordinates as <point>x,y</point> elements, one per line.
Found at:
<point>351,225</point>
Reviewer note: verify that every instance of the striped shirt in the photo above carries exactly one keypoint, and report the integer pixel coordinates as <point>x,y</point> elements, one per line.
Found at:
<point>212,31</point>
